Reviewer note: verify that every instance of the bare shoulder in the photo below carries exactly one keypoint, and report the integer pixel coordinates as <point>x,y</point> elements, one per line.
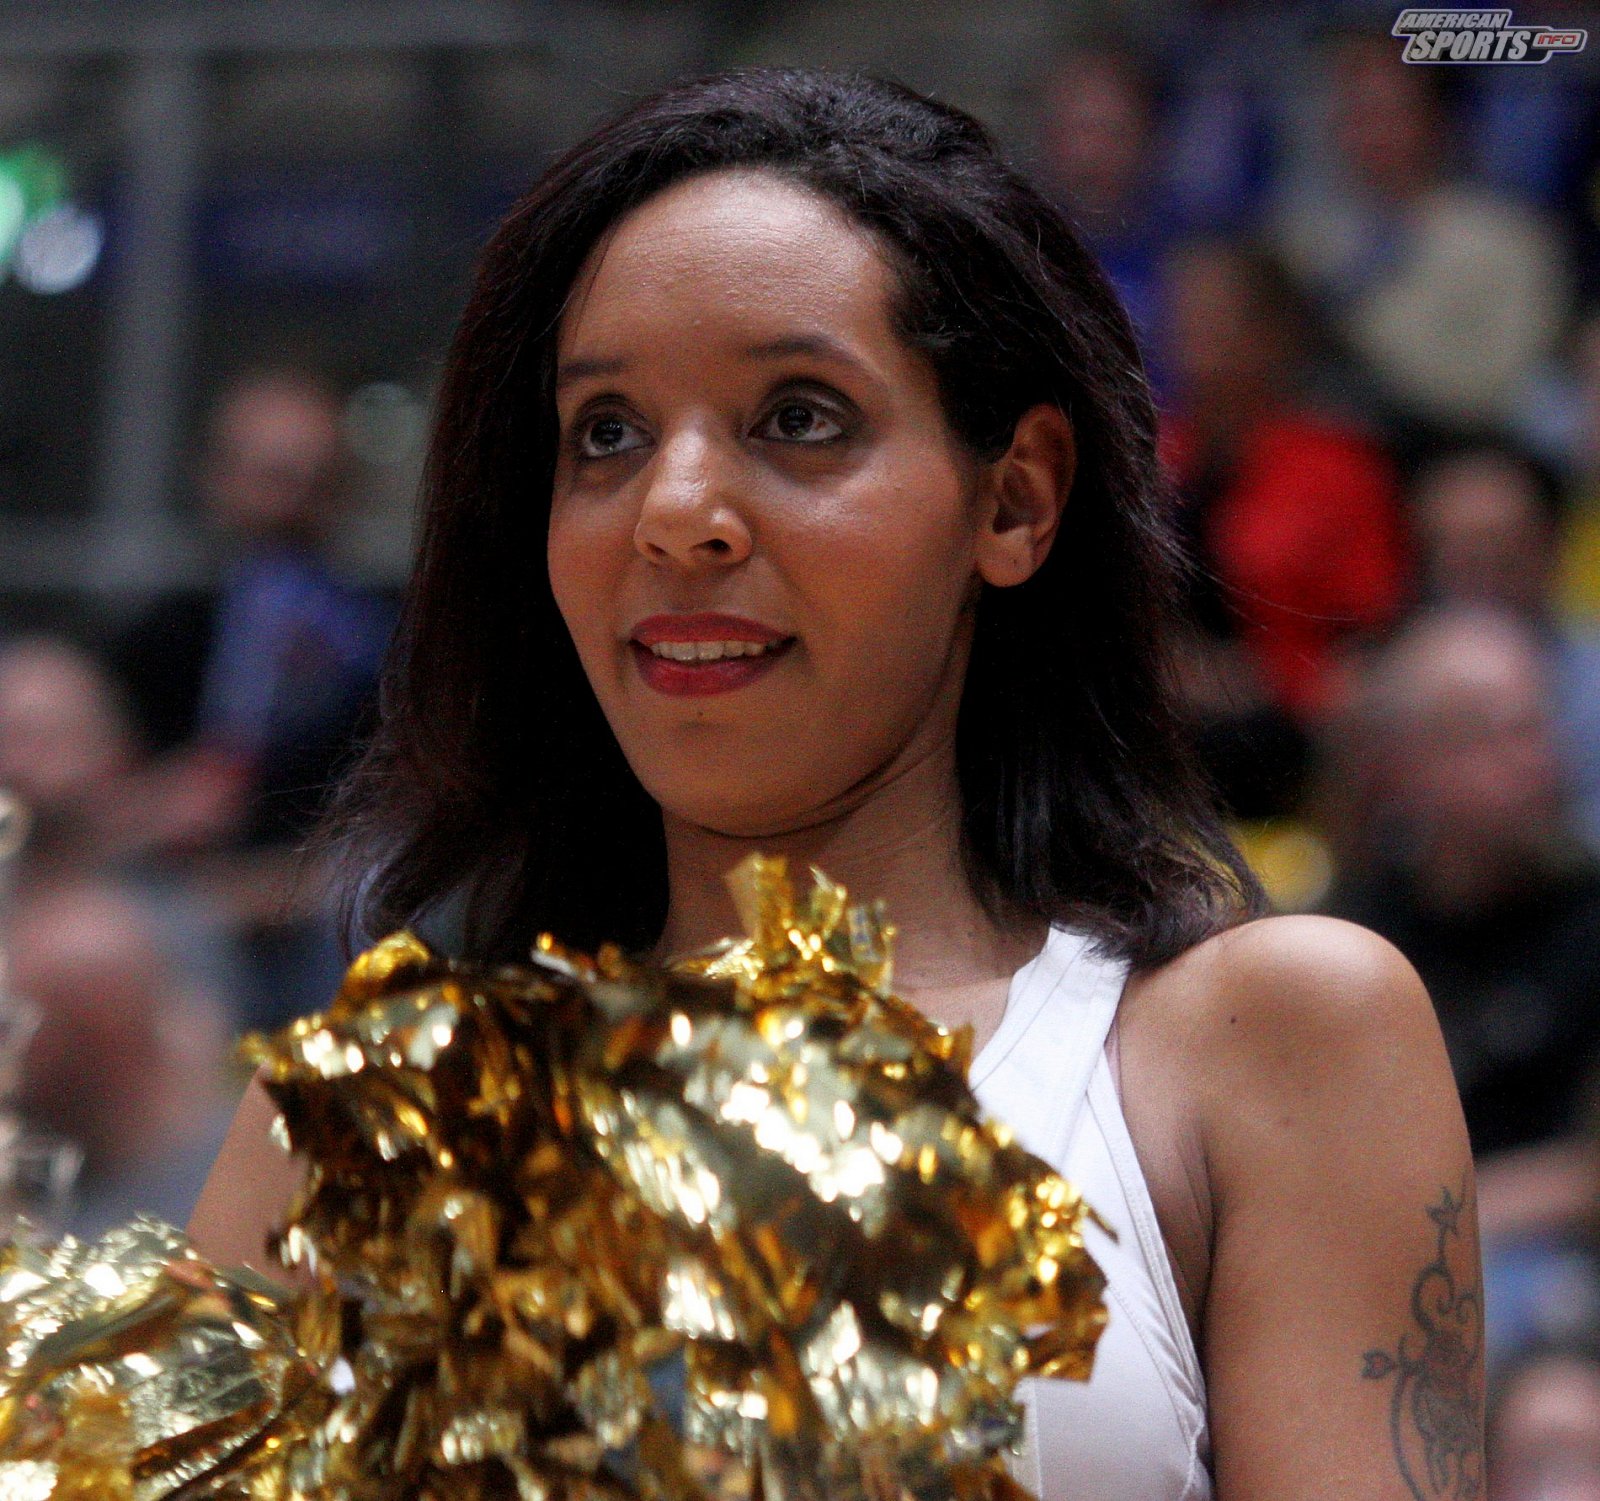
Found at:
<point>1343,1245</point>
<point>1281,983</point>
<point>1299,1062</point>
<point>1305,1019</point>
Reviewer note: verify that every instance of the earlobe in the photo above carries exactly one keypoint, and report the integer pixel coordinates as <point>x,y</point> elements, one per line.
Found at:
<point>1027,492</point>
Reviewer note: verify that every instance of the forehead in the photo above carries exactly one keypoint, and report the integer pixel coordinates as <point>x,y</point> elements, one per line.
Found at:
<point>741,247</point>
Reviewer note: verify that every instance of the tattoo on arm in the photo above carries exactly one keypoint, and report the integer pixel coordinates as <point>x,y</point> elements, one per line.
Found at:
<point>1435,1407</point>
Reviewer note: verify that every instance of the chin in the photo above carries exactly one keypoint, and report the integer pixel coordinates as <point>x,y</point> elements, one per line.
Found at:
<point>731,821</point>
<point>754,814</point>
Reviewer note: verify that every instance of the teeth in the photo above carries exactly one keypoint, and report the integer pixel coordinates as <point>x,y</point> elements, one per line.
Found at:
<point>707,651</point>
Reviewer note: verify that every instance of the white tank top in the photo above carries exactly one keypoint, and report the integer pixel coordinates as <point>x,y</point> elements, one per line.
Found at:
<point>1136,1431</point>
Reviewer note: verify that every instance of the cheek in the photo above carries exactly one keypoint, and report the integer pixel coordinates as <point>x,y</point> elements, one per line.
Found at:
<point>580,559</point>
<point>895,596</point>
<point>892,620</point>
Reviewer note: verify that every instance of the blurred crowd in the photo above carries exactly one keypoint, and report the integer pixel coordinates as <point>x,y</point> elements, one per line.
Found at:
<point>1373,327</point>
<point>171,767</point>
<point>1379,372</point>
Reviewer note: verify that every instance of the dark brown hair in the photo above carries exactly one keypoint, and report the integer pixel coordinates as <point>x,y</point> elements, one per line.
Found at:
<point>494,781</point>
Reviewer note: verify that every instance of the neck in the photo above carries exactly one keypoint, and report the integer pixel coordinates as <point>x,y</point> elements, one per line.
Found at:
<point>901,842</point>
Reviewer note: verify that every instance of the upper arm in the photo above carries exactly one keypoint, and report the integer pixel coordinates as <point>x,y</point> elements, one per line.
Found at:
<point>1343,1323</point>
<point>248,1190</point>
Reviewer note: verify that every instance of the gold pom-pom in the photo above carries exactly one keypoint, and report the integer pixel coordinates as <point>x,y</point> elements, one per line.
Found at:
<point>588,1228</point>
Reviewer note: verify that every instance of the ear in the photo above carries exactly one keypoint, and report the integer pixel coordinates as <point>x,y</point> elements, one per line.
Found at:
<point>1025,491</point>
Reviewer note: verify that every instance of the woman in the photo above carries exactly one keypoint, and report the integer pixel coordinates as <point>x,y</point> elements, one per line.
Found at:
<point>794,488</point>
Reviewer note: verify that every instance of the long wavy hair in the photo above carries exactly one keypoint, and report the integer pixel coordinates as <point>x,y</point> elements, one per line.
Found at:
<point>493,781</point>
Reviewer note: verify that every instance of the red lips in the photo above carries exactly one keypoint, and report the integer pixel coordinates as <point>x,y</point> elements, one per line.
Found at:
<point>696,679</point>
<point>704,626</point>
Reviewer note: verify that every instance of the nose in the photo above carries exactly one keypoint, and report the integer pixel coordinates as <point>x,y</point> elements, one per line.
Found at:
<point>689,515</point>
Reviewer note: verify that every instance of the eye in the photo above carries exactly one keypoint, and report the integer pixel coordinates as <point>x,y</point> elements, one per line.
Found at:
<point>797,420</point>
<point>606,435</point>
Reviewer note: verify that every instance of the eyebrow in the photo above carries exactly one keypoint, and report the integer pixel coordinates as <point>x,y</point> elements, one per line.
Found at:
<point>817,345</point>
<point>576,370</point>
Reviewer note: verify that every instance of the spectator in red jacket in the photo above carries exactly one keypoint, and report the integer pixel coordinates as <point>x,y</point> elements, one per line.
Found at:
<point>1292,515</point>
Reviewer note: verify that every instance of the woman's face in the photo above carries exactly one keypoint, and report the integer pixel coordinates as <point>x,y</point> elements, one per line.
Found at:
<point>756,473</point>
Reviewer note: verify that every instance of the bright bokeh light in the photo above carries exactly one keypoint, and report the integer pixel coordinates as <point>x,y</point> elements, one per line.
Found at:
<point>58,251</point>
<point>384,422</point>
